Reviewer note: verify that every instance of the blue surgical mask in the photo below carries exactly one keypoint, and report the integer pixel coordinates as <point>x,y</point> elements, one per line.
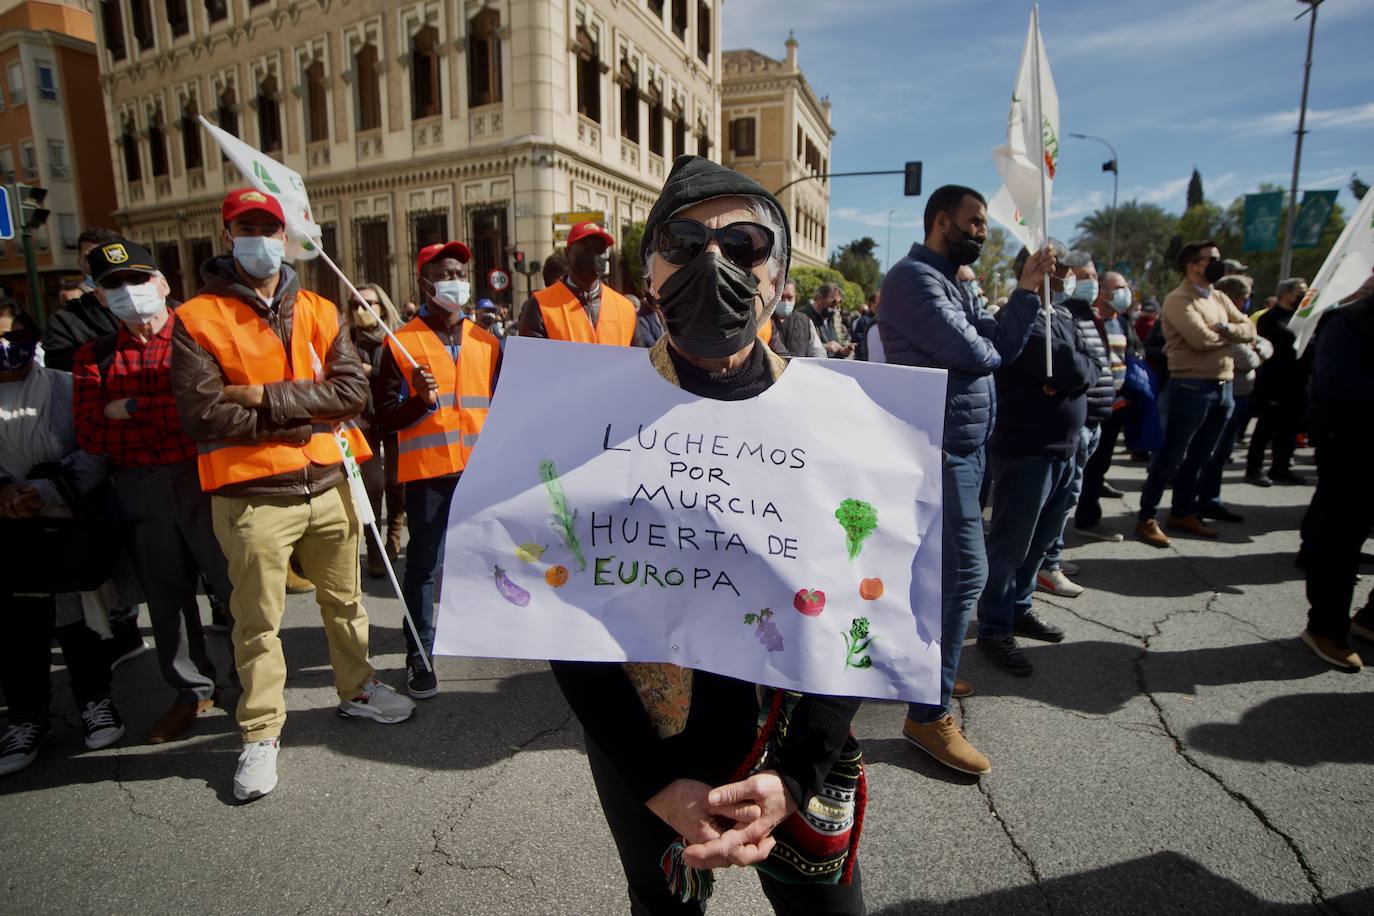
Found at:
<point>451,295</point>
<point>259,255</point>
<point>1121,299</point>
<point>1086,290</point>
<point>784,307</point>
<point>136,302</point>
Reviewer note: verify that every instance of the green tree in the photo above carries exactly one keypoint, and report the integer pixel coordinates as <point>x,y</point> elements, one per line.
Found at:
<point>994,264</point>
<point>1143,234</point>
<point>1195,195</point>
<point>631,265</point>
<point>809,279</point>
<point>857,263</point>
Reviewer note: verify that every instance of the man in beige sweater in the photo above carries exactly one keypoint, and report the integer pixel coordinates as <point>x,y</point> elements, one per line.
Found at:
<point>1200,325</point>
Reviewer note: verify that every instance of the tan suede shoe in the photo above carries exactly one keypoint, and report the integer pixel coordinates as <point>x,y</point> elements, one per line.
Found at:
<point>176,720</point>
<point>943,740</point>
<point>1191,524</point>
<point>1148,531</point>
<point>962,689</point>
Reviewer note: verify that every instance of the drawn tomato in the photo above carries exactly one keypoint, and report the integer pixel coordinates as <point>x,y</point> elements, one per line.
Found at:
<point>809,602</point>
<point>871,589</point>
<point>557,576</point>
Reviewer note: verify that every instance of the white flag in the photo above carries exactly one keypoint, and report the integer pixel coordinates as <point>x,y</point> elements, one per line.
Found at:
<point>1346,267</point>
<point>271,177</point>
<point>1003,209</point>
<point>1032,126</point>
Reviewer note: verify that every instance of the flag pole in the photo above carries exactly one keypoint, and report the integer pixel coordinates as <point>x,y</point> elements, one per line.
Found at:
<point>353,290</point>
<point>1039,117</point>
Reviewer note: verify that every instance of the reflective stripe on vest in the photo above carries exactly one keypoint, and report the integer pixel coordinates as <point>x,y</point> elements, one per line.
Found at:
<point>441,442</point>
<point>566,319</point>
<point>250,353</point>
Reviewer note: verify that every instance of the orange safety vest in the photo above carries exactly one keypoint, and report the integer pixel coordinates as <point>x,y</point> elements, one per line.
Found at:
<point>250,353</point>
<point>565,319</point>
<point>441,442</point>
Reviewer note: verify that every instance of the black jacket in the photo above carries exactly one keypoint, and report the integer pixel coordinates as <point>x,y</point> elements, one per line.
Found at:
<point>76,323</point>
<point>1030,422</point>
<point>1102,393</point>
<point>1282,379</point>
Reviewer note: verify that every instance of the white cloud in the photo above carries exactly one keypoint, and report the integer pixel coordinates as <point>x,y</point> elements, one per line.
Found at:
<point>1187,26</point>
<point>1287,121</point>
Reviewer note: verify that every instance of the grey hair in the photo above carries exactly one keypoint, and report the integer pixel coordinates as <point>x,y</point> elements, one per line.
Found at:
<point>1289,285</point>
<point>768,215</point>
<point>1237,286</point>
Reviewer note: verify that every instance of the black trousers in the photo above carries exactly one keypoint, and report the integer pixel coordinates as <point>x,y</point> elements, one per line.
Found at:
<point>1333,531</point>
<point>1089,511</point>
<point>1279,422</point>
<point>642,838</point>
<point>26,656</point>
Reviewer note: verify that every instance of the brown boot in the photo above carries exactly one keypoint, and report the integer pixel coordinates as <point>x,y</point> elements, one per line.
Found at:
<point>1191,524</point>
<point>1148,531</point>
<point>1332,652</point>
<point>962,689</point>
<point>297,584</point>
<point>944,741</point>
<point>394,526</point>
<point>177,719</point>
<point>375,567</point>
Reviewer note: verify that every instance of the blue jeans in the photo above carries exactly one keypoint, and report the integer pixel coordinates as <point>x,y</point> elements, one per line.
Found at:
<point>1088,440</point>
<point>1030,500</point>
<point>1194,412</point>
<point>427,503</point>
<point>1209,483</point>
<point>964,570</point>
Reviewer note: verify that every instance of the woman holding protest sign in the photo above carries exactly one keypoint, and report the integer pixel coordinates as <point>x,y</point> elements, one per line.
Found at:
<point>697,770</point>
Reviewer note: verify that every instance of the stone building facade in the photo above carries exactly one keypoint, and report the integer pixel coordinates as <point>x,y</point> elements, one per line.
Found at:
<point>777,130</point>
<point>411,122</point>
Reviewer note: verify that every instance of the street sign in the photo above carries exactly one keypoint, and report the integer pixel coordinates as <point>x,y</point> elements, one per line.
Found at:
<point>498,280</point>
<point>6,215</point>
<point>563,223</point>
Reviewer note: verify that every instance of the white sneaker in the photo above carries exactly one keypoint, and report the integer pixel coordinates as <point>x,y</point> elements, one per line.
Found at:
<point>379,702</point>
<point>1100,533</point>
<point>257,772</point>
<point>1056,583</point>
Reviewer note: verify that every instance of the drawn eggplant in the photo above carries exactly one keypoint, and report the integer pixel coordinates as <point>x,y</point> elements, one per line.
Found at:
<point>509,590</point>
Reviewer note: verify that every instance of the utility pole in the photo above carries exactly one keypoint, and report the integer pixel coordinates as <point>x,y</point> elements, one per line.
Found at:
<point>1113,166</point>
<point>1287,261</point>
<point>887,252</point>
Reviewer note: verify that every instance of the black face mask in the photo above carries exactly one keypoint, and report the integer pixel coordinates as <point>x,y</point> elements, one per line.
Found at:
<point>708,307</point>
<point>965,251</point>
<point>590,263</point>
<point>1215,271</point>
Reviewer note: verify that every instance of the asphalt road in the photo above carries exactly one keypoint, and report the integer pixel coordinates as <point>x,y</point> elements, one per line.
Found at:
<point>1181,752</point>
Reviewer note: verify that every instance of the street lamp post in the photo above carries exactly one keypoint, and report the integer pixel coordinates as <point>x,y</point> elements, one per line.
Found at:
<point>1108,166</point>
<point>887,252</point>
<point>1287,261</point>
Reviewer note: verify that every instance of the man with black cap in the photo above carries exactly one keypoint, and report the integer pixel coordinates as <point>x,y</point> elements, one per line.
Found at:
<point>264,375</point>
<point>82,319</point>
<point>660,737</point>
<point>436,411</point>
<point>125,410</point>
<point>581,307</point>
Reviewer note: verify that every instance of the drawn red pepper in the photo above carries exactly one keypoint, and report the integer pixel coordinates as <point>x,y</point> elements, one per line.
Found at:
<point>809,602</point>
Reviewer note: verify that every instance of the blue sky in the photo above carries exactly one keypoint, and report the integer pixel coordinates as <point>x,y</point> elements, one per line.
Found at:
<point>1172,84</point>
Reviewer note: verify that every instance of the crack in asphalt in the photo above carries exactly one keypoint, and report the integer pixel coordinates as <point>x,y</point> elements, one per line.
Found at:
<point>117,760</point>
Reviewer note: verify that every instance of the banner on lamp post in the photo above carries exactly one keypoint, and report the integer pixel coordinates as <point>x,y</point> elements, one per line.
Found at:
<point>1263,214</point>
<point>1345,269</point>
<point>1313,216</point>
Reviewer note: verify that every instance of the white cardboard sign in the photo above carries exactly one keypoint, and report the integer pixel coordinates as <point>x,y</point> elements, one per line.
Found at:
<point>791,540</point>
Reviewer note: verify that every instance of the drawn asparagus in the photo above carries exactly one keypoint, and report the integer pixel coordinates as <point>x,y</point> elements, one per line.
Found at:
<point>563,521</point>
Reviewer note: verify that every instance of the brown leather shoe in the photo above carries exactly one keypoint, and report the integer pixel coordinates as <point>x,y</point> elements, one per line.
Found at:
<point>962,689</point>
<point>1332,652</point>
<point>297,584</point>
<point>1191,524</point>
<point>375,569</point>
<point>394,526</point>
<point>1148,531</point>
<point>177,719</point>
<point>943,740</point>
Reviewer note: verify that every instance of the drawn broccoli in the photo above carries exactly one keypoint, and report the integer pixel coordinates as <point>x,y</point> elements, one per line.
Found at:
<point>856,642</point>
<point>858,519</point>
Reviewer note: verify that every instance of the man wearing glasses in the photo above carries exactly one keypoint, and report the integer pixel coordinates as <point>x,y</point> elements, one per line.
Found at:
<point>580,307</point>
<point>1200,325</point>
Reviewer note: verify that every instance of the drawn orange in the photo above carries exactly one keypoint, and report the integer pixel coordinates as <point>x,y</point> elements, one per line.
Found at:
<point>557,576</point>
<point>871,589</point>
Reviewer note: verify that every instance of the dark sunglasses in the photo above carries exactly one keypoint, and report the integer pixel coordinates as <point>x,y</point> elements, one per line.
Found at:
<point>746,245</point>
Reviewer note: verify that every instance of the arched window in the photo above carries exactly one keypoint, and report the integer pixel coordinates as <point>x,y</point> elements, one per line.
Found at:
<point>316,103</point>
<point>629,102</point>
<point>133,168</point>
<point>368,83</point>
<point>157,145</point>
<point>655,119</point>
<point>426,95</point>
<point>588,76</point>
<point>269,116</point>
<point>190,135</point>
<point>484,59</point>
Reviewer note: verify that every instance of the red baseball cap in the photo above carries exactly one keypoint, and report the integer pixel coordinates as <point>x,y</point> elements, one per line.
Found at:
<point>246,200</point>
<point>583,230</point>
<point>439,249</point>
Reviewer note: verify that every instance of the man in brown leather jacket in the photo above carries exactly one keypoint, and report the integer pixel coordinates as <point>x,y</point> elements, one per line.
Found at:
<point>263,377</point>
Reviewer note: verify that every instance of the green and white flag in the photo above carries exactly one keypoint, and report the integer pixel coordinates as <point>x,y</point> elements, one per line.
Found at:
<point>1345,269</point>
<point>1029,159</point>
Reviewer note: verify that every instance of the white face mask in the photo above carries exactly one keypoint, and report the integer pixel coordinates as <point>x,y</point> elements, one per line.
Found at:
<point>136,302</point>
<point>259,255</point>
<point>785,307</point>
<point>1069,283</point>
<point>451,295</point>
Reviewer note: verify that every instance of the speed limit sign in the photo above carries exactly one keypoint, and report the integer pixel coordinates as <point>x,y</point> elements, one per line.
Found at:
<point>498,280</point>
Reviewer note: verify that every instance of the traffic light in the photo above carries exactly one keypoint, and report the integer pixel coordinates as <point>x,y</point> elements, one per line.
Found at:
<point>1109,166</point>
<point>520,261</point>
<point>913,180</point>
<point>31,206</point>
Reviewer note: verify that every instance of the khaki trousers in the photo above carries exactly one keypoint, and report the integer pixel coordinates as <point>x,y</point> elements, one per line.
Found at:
<point>258,536</point>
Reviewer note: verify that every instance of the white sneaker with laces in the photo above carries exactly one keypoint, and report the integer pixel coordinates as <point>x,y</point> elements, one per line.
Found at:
<point>19,746</point>
<point>1056,583</point>
<point>378,702</point>
<point>257,771</point>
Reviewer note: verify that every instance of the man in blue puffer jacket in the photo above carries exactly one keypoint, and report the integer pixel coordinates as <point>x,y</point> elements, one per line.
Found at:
<point>928,319</point>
